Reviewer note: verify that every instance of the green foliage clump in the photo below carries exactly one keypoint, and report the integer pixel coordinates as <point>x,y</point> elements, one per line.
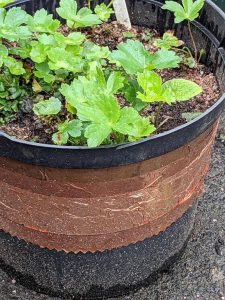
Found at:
<point>79,83</point>
<point>187,11</point>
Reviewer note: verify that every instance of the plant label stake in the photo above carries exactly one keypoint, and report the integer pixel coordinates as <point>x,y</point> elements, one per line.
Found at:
<point>122,15</point>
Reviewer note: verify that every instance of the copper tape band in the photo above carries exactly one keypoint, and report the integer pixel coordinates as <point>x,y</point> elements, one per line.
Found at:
<point>96,210</point>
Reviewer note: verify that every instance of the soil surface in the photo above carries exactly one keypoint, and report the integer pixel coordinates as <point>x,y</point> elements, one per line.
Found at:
<point>29,127</point>
<point>199,274</point>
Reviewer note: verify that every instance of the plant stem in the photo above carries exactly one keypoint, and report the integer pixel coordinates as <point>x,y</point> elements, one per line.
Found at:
<point>89,4</point>
<point>158,114</point>
<point>110,3</point>
<point>193,41</point>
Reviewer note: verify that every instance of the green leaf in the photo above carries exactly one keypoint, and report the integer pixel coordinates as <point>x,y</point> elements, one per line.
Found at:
<point>47,39</point>
<point>128,35</point>
<point>60,138</point>
<point>74,38</point>
<point>195,9</point>
<point>96,133</point>
<point>5,2</point>
<point>38,52</point>
<point>168,41</point>
<point>82,89</point>
<point>132,56</point>
<point>15,67</point>
<point>177,9</point>
<point>3,51</point>
<point>168,92</point>
<point>189,11</point>
<point>130,93</point>
<point>102,109</point>
<point>151,83</point>
<point>114,83</point>
<point>42,22</point>
<point>42,71</point>
<point>79,91</point>
<point>47,107</point>
<point>66,130</point>
<point>62,59</point>
<point>95,52</point>
<point>86,18</point>
<point>75,19</point>
<point>67,9</point>
<point>190,116</point>
<point>12,25</point>
<point>74,128</point>
<point>103,112</point>
<point>132,124</point>
<point>165,59</point>
<point>23,49</point>
<point>180,90</point>
<point>103,12</point>
<point>15,17</point>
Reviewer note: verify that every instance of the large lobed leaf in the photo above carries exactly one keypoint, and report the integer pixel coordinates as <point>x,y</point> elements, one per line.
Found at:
<point>189,10</point>
<point>134,58</point>
<point>13,24</point>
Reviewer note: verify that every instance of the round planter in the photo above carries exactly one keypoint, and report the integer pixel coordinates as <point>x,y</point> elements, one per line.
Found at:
<point>89,223</point>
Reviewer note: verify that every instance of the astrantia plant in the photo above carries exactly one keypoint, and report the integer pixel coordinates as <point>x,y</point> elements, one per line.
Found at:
<point>187,11</point>
<point>75,85</point>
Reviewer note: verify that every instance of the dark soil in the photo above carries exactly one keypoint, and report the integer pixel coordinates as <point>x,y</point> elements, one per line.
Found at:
<point>29,127</point>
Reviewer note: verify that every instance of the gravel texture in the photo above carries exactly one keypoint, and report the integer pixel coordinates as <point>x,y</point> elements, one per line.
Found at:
<point>200,273</point>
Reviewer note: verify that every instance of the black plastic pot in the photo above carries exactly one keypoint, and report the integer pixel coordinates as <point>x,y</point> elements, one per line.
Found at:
<point>92,264</point>
<point>209,33</point>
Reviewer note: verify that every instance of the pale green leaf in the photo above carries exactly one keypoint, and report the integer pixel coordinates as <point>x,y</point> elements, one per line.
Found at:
<point>132,124</point>
<point>195,9</point>
<point>43,22</point>
<point>132,56</point>
<point>151,84</point>
<point>190,116</point>
<point>67,9</point>
<point>114,83</point>
<point>102,108</point>
<point>47,107</point>
<point>42,71</point>
<point>167,42</point>
<point>15,67</point>
<point>62,59</point>
<point>96,133</point>
<point>38,52</point>
<point>165,59</point>
<point>103,12</point>
<point>60,138</point>
<point>180,90</point>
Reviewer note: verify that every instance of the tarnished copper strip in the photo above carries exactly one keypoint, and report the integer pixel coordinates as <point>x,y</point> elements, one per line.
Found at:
<point>92,210</point>
<point>100,243</point>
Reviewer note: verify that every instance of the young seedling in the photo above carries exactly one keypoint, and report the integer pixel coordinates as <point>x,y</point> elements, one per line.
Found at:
<point>171,91</point>
<point>189,11</point>
<point>190,116</point>
<point>168,41</point>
